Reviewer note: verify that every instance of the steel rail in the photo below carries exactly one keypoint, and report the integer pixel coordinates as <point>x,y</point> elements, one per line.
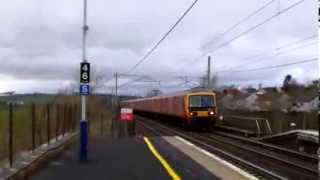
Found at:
<point>276,157</point>
<point>293,153</point>
<point>310,170</point>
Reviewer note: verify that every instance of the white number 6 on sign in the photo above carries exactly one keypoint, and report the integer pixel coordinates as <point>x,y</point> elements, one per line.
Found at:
<point>85,75</point>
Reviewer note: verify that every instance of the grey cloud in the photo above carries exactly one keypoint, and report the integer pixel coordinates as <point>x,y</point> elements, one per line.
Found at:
<point>41,41</point>
<point>129,36</point>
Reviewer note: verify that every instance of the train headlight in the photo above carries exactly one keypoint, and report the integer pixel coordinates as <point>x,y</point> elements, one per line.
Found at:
<point>211,112</point>
<point>191,113</point>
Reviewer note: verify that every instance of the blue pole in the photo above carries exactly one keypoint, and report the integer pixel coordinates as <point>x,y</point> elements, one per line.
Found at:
<point>83,140</point>
<point>83,122</point>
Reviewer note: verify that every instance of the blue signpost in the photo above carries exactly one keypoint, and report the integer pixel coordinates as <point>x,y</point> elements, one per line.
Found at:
<point>84,91</point>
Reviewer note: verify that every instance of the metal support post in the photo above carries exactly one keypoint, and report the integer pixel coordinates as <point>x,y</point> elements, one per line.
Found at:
<point>116,92</point>
<point>33,126</point>
<point>209,73</point>
<point>48,124</point>
<point>319,127</point>
<point>84,122</point>
<point>11,134</point>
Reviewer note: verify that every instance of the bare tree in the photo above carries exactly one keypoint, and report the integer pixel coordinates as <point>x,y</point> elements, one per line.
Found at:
<point>286,82</point>
<point>203,81</point>
<point>67,89</point>
<point>154,92</point>
<point>289,82</point>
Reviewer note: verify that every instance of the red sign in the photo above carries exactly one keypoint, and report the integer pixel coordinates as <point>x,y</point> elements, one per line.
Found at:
<point>126,114</point>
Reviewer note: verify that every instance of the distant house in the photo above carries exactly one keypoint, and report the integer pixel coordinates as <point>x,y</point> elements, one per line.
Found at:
<point>154,92</point>
<point>226,101</point>
<point>10,97</point>
<point>240,101</point>
<point>257,101</point>
<point>314,104</point>
<point>272,100</point>
<point>232,92</point>
<point>260,92</point>
<point>15,103</point>
<point>251,101</point>
<point>270,89</point>
<point>250,90</point>
<point>302,103</point>
<point>264,101</point>
<point>269,98</point>
<point>9,93</point>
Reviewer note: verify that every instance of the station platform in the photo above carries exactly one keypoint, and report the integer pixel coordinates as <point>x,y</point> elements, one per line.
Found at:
<point>138,158</point>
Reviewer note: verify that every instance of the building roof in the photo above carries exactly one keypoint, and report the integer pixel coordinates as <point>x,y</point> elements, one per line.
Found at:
<point>241,96</point>
<point>9,93</point>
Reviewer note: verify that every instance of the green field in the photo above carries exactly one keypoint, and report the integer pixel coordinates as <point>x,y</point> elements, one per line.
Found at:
<point>21,121</point>
<point>27,99</point>
<point>3,124</point>
<point>22,130</point>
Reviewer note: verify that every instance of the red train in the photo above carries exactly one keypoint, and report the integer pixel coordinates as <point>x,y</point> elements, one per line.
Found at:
<point>191,107</point>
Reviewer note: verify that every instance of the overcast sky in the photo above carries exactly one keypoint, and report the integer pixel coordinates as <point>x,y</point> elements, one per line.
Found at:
<point>40,41</point>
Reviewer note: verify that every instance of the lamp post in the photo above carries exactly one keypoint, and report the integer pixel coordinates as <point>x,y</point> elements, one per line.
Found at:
<point>84,89</point>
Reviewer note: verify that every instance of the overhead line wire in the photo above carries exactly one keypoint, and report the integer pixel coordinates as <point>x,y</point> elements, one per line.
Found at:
<point>258,25</point>
<point>298,41</point>
<point>237,24</point>
<point>251,29</point>
<point>277,66</point>
<point>163,38</point>
<point>274,54</point>
<point>243,20</point>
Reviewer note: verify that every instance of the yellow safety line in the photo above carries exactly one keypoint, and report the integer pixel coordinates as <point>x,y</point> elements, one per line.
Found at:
<point>164,163</point>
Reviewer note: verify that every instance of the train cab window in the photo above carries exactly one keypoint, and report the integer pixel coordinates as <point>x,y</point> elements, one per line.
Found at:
<point>201,101</point>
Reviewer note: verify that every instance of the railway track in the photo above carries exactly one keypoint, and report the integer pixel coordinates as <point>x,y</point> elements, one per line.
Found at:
<point>266,162</point>
<point>295,154</point>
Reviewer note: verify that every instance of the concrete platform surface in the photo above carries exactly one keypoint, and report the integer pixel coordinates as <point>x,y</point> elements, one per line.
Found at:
<point>124,158</point>
<point>212,163</point>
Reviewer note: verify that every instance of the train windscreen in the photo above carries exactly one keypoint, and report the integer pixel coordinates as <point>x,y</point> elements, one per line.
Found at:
<point>201,101</point>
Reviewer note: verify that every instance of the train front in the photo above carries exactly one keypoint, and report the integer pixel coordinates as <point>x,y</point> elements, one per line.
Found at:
<point>202,110</point>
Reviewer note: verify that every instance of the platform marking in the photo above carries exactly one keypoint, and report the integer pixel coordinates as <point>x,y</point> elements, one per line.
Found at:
<point>229,165</point>
<point>164,163</point>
